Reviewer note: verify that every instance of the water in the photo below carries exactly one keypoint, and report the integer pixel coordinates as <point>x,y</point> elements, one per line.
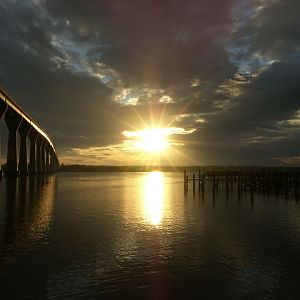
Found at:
<point>137,236</point>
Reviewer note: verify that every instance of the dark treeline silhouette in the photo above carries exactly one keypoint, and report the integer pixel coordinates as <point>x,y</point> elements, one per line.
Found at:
<point>101,168</point>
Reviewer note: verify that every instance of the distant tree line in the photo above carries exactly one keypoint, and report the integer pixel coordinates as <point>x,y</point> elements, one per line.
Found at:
<point>101,168</point>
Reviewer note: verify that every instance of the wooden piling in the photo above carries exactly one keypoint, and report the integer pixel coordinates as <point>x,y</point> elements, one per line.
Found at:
<point>199,181</point>
<point>194,183</point>
<point>265,181</point>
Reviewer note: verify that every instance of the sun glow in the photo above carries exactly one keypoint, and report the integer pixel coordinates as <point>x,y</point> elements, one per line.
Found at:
<point>155,145</point>
<point>150,140</point>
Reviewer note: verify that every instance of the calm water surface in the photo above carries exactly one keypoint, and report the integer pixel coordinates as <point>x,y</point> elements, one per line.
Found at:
<point>137,236</point>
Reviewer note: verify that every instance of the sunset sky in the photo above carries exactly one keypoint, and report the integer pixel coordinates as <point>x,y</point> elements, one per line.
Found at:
<point>217,80</point>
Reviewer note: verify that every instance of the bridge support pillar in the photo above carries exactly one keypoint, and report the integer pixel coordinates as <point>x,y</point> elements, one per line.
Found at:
<point>32,161</point>
<point>57,163</point>
<point>3,107</point>
<point>13,120</point>
<point>39,142</point>
<point>47,149</point>
<point>43,156</point>
<point>52,161</point>
<point>24,130</point>
<point>54,164</point>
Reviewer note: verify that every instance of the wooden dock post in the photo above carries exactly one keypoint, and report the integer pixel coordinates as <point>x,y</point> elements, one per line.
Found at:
<point>184,181</point>
<point>187,182</point>
<point>282,182</point>
<point>199,181</point>
<point>226,182</point>
<point>295,185</point>
<point>194,183</point>
<point>203,183</point>
<point>239,184</point>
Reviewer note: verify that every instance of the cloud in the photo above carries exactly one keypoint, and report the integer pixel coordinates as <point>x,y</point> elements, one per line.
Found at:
<point>154,42</point>
<point>265,33</point>
<point>275,34</point>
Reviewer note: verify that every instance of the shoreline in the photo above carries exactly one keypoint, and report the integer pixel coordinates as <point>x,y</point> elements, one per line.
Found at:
<point>95,168</point>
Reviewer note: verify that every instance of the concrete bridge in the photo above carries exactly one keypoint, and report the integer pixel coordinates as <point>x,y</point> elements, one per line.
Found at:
<point>42,155</point>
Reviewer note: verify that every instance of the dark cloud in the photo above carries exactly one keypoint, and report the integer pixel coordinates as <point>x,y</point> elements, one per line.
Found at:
<point>275,31</point>
<point>156,42</point>
<point>270,32</point>
<point>254,120</point>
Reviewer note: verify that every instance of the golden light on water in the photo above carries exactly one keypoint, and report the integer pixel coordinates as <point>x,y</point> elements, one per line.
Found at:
<point>154,197</point>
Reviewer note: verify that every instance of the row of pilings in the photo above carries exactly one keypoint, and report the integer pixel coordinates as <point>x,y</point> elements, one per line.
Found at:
<point>42,155</point>
<point>275,181</point>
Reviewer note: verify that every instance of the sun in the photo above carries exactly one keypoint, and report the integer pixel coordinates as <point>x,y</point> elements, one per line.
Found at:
<point>152,140</point>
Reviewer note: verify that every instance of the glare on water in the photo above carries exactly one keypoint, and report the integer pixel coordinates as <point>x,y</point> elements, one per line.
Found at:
<point>153,189</point>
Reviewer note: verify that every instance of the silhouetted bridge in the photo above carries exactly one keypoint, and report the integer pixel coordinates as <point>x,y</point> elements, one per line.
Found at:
<point>42,155</point>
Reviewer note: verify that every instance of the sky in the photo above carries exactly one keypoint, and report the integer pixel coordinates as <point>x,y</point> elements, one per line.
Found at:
<point>223,76</point>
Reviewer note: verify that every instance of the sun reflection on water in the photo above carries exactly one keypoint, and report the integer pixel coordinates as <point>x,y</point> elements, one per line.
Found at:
<point>154,197</point>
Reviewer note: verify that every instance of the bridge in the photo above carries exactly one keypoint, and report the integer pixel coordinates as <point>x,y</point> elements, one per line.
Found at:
<point>42,154</point>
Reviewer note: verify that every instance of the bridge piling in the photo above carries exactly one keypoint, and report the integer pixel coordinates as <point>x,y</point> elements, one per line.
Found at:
<point>3,107</point>
<point>39,142</point>
<point>13,121</point>
<point>24,130</point>
<point>47,149</point>
<point>54,164</point>
<point>33,135</point>
<point>43,156</point>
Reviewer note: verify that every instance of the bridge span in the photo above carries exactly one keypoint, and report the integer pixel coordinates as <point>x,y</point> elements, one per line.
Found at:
<point>42,154</point>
